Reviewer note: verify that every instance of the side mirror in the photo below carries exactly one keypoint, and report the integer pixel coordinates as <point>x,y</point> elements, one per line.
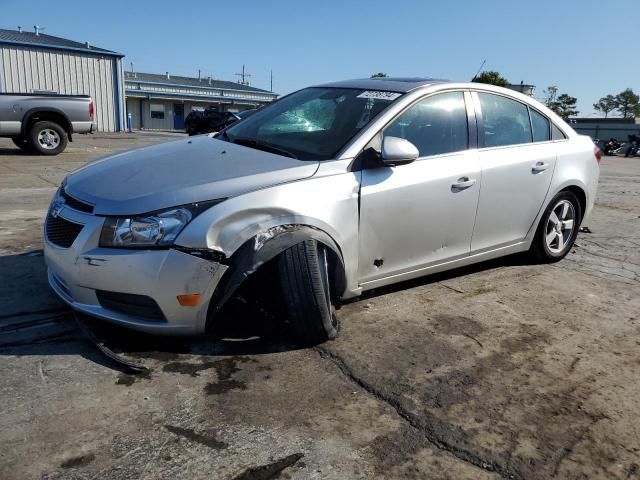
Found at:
<point>398,151</point>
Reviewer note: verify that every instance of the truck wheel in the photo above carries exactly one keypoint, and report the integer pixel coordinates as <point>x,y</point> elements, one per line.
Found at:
<point>22,143</point>
<point>304,276</point>
<point>47,138</point>
<point>558,228</point>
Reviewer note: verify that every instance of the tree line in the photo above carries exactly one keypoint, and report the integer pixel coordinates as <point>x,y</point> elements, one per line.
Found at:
<point>626,103</point>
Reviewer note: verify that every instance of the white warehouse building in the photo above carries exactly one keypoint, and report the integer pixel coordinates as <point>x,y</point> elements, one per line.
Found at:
<point>32,62</point>
<point>162,102</point>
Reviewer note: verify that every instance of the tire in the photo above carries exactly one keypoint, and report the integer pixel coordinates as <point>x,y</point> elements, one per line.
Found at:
<point>47,138</point>
<point>553,240</point>
<point>304,277</point>
<point>22,143</point>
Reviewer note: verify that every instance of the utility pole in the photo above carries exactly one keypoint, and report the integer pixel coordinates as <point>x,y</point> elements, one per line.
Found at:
<point>271,82</point>
<point>243,76</point>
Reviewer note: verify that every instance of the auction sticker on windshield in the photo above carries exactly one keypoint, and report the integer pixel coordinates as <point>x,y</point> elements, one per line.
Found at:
<point>377,94</point>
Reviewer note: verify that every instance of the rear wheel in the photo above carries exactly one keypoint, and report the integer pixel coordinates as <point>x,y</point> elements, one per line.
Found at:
<point>305,278</point>
<point>47,138</point>
<point>558,228</point>
<point>22,143</point>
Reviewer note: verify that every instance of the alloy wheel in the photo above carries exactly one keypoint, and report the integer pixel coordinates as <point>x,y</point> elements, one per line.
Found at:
<point>560,226</point>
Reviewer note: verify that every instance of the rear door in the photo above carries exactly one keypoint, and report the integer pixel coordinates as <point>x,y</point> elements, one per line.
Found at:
<point>517,160</point>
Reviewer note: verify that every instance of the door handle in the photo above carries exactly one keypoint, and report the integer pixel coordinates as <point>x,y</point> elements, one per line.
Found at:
<point>539,167</point>
<point>463,183</point>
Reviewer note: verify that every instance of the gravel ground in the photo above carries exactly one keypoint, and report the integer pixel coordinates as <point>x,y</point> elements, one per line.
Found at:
<point>502,370</point>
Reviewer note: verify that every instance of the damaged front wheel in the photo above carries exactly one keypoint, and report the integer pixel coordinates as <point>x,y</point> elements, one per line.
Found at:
<point>305,279</point>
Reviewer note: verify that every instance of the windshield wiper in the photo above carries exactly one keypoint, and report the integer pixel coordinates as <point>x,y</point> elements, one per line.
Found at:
<point>258,145</point>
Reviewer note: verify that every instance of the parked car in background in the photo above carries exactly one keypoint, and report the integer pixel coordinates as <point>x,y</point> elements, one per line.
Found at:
<point>44,123</point>
<point>245,113</point>
<point>208,121</point>
<point>371,182</point>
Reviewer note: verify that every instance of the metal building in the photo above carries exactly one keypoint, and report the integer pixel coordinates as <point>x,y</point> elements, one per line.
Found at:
<point>32,62</point>
<point>161,102</point>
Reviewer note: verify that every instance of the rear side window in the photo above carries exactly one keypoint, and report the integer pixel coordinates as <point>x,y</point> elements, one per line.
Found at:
<point>556,133</point>
<point>435,125</point>
<point>540,124</point>
<point>506,121</point>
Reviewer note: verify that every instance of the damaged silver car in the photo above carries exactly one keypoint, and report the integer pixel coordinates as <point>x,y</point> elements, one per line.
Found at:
<point>344,187</point>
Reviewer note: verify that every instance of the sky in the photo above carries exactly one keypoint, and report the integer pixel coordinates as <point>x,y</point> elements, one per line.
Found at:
<point>568,43</point>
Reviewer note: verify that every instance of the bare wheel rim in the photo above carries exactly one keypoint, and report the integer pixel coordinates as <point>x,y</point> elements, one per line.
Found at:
<point>48,138</point>
<point>560,226</point>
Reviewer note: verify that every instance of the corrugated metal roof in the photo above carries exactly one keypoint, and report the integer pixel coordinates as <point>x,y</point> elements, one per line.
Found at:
<point>49,41</point>
<point>189,81</point>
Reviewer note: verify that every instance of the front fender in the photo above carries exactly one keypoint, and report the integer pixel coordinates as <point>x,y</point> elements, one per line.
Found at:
<point>266,246</point>
<point>327,204</point>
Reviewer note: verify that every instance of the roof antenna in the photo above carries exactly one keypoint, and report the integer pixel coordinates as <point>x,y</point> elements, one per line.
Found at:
<point>482,65</point>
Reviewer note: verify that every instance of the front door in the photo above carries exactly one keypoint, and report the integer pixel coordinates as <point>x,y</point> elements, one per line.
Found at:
<point>178,116</point>
<point>517,163</point>
<point>416,215</point>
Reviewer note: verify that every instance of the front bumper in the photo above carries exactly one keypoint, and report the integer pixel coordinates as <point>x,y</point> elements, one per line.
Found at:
<point>77,272</point>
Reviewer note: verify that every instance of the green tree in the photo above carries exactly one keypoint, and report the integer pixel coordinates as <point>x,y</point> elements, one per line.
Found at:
<point>492,78</point>
<point>379,75</point>
<point>628,104</point>
<point>606,104</point>
<point>550,95</point>
<point>564,105</point>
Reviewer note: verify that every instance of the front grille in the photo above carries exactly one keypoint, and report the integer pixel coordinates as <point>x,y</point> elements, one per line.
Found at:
<point>130,304</point>
<point>61,232</point>
<point>75,203</point>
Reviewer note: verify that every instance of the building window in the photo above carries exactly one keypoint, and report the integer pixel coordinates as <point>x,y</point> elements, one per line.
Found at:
<point>157,111</point>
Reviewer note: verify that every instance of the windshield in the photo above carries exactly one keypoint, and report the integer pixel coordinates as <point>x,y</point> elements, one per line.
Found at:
<point>311,124</point>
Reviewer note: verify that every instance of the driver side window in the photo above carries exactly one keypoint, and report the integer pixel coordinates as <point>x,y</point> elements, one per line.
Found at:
<point>435,125</point>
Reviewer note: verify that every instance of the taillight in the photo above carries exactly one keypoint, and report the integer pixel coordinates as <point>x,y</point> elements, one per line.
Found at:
<point>598,153</point>
<point>92,109</point>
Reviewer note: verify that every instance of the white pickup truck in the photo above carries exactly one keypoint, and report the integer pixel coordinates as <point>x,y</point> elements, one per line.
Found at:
<point>44,123</point>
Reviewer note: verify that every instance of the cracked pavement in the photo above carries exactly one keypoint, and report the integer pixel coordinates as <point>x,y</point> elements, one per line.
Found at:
<point>501,370</point>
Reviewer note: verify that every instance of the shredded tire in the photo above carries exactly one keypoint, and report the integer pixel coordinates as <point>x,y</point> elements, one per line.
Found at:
<point>304,277</point>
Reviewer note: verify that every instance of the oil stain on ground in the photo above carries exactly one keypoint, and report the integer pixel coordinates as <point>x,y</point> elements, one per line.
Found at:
<point>79,461</point>
<point>186,368</point>
<point>127,379</point>
<point>225,369</point>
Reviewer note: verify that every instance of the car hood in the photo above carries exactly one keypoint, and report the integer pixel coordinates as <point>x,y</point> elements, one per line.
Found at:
<point>180,172</point>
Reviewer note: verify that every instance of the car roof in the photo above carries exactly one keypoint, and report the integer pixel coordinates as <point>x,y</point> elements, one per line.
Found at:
<point>391,84</point>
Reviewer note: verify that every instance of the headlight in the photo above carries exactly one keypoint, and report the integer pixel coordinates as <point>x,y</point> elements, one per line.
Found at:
<point>158,229</point>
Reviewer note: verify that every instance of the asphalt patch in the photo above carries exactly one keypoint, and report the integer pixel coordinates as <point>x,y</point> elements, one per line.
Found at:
<point>209,440</point>
<point>271,470</point>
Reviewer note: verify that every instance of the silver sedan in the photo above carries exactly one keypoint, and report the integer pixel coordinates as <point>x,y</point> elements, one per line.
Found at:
<point>399,178</point>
